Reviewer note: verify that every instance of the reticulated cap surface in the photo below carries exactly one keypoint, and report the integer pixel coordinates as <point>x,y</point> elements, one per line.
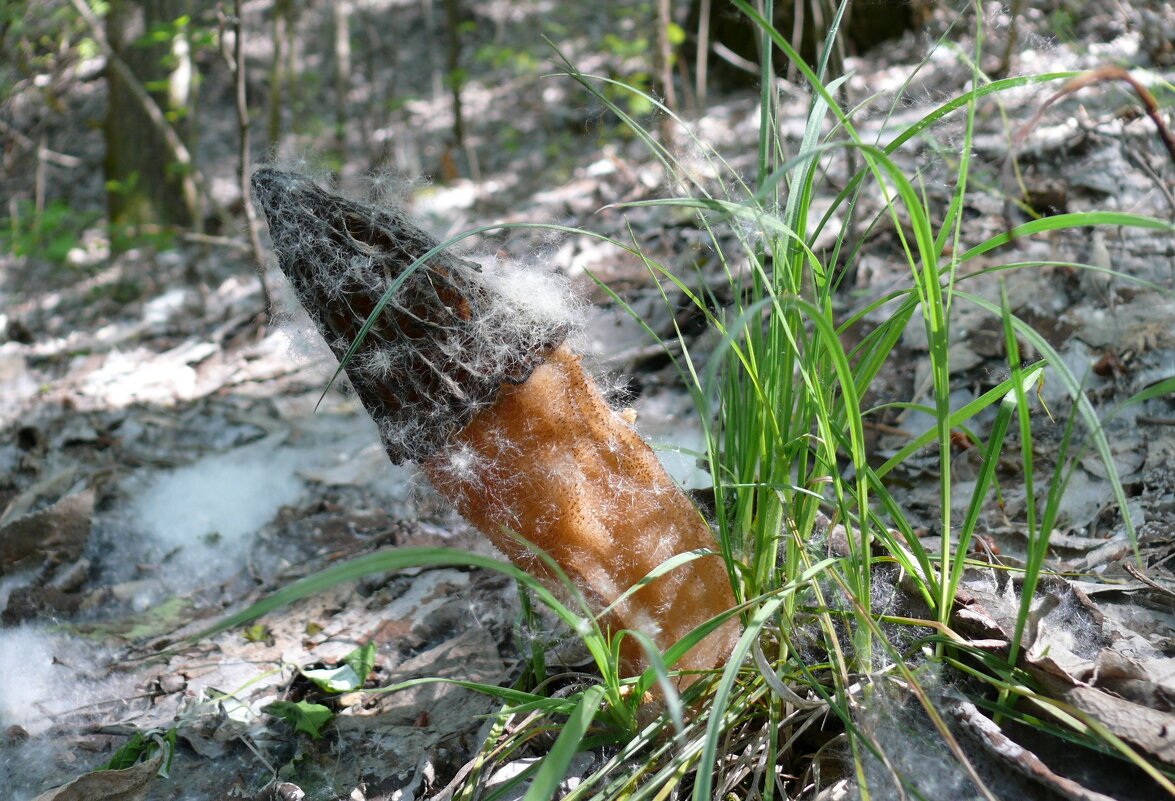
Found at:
<point>444,343</point>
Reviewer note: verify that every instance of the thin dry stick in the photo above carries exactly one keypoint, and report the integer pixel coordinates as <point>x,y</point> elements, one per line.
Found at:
<point>43,152</point>
<point>1159,588</point>
<point>1107,73</point>
<point>703,53</point>
<point>39,180</point>
<point>988,736</point>
<point>236,64</point>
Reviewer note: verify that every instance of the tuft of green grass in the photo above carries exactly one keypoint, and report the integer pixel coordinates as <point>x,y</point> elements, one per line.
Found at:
<point>781,402</point>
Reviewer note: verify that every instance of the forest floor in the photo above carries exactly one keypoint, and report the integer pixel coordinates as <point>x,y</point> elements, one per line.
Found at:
<point>164,457</point>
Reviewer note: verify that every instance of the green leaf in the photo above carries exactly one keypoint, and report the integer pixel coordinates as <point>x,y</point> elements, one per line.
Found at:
<point>382,562</point>
<point>258,632</point>
<point>350,675</point>
<point>129,753</point>
<point>342,679</point>
<point>143,746</point>
<point>302,715</point>
<point>362,660</point>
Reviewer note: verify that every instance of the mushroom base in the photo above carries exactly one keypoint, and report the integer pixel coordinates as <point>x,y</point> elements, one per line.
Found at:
<point>551,461</point>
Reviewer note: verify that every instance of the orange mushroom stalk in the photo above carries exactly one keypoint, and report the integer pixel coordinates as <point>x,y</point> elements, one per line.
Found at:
<point>478,386</point>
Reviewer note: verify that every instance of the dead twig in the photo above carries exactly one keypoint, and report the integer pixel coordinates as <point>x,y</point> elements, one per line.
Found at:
<point>991,739</point>
<point>1107,73</point>
<point>1138,574</point>
<point>43,153</point>
<point>236,65</point>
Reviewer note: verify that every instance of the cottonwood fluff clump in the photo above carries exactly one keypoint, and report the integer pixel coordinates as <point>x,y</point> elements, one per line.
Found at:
<point>466,372</point>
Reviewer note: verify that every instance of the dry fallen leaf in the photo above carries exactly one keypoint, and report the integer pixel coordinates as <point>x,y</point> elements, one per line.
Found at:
<point>130,784</point>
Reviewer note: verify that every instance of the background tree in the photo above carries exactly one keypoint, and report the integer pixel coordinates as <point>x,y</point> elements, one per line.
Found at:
<point>804,22</point>
<point>281,67</point>
<point>148,181</point>
<point>342,49</point>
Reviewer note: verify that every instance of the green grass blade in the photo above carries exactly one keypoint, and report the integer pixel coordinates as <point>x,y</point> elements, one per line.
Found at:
<point>1084,408</point>
<point>382,562</point>
<point>1061,222</point>
<point>1014,399</point>
<point>555,764</point>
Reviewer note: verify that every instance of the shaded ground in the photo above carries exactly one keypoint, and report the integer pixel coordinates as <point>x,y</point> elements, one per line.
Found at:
<point>173,454</point>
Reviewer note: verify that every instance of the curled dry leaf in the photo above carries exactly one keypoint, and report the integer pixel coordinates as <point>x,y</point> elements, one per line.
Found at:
<point>129,784</point>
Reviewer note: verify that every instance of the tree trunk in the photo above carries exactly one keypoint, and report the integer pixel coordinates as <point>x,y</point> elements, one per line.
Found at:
<point>803,22</point>
<point>143,185</point>
<point>283,28</point>
<point>453,65</point>
<point>664,66</point>
<point>342,18</point>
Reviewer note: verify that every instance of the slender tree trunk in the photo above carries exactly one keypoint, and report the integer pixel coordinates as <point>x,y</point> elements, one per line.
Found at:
<point>665,53</point>
<point>434,65</point>
<point>145,186</point>
<point>718,25</point>
<point>236,64</point>
<point>342,75</point>
<point>453,67</point>
<point>282,29</point>
<point>1005,62</point>
<point>703,54</point>
<point>664,65</point>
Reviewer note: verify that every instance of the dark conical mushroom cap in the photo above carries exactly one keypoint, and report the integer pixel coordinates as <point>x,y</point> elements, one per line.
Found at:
<point>444,343</point>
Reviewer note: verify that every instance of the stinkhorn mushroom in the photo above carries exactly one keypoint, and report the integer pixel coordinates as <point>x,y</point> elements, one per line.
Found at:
<point>478,386</point>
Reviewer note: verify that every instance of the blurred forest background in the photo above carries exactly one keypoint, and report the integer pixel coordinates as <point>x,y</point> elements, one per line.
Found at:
<point>168,97</point>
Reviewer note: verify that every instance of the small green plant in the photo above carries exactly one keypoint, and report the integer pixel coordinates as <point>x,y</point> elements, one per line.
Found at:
<point>520,60</point>
<point>126,236</point>
<point>305,716</point>
<point>1061,23</point>
<point>50,235</point>
<point>143,746</point>
<point>310,717</point>
<point>783,403</point>
<point>124,291</point>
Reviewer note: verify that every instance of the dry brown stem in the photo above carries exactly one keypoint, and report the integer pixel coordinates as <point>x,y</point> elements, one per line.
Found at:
<point>1106,73</point>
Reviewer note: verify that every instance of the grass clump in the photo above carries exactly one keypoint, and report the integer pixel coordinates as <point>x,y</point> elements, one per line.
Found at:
<point>849,610</point>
